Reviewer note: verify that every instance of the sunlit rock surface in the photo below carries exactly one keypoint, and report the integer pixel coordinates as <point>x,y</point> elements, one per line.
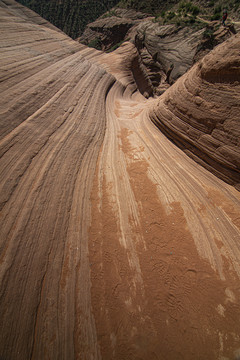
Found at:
<point>114,244</point>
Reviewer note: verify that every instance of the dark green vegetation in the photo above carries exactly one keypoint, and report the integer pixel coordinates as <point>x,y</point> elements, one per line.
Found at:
<point>169,10</point>
<point>71,16</point>
<point>149,6</point>
<point>188,7</point>
<point>197,13</point>
<point>184,15</point>
<point>114,47</point>
<point>96,44</point>
<point>152,6</point>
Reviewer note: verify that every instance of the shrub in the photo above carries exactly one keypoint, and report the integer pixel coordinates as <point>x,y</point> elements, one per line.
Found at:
<point>209,38</point>
<point>109,14</point>
<point>114,47</point>
<point>195,10</point>
<point>217,9</point>
<point>236,5</point>
<point>192,20</point>
<point>170,15</point>
<point>216,16</point>
<point>95,43</point>
<point>211,3</point>
<point>208,34</point>
<point>188,7</point>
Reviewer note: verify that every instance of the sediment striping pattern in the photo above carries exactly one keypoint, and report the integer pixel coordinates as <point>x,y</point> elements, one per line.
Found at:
<point>114,244</point>
<point>201,112</point>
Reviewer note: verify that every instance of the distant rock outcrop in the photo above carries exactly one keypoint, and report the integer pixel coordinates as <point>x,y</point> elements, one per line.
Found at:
<point>111,29</point>
<point>163,47</point>
<point>166,51</point>
<point>200,113</point>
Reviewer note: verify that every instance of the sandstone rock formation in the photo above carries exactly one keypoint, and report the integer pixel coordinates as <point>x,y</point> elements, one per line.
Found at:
<point>52,125</point>
<point>159,46</point>
<point>114,244</point>
<point>201,112</point>
<point>111,28</point>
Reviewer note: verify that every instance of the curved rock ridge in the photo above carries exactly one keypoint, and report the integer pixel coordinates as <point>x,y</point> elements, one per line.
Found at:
<point>200,113</point>
<point>126,66</point>
<point>52,125</point>
<point>114,244</point>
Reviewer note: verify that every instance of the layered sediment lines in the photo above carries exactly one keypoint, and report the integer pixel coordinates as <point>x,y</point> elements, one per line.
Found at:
<point>201,112</point>
<point>114,244</point>
<point>52,125</point>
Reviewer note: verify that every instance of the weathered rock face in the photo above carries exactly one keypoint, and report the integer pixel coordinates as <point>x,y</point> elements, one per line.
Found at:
<point>111,237</point>
<point>112,29</point>
<point>200,113</point>
<point>161,47</point>
<point>108,33</point>
<point>166,51</point>
<point>126,65</point>
<point>213,36</point>
<point>168,45</point>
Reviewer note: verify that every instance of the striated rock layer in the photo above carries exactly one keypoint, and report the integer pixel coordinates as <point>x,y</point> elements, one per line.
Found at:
<point>111,28</point>
<point>200,113</point>
<point>52,124</point>
<point>114,244</point>
<point>166,51</point>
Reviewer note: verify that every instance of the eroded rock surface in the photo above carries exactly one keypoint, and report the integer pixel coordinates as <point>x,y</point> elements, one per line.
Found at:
<point>112,28</point>
<point>166,51</point>
<point>114,244</point>
<point>52,125</point>
<point>201,111</point>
